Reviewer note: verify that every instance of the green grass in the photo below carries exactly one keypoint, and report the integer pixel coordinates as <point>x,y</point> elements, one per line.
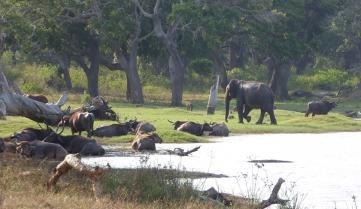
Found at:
<point>289,116</point>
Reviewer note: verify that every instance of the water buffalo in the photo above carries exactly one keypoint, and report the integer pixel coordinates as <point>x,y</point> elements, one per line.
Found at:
<point>250,95</point>
<point>81,121</point>
<point>146,141</point>
<point>113,130</point>
<point>219,129</point>
<point>7,146</point>
<point>177,123</point>
<point>319,107</point>
<point>144,127</point>
<point>194,128</point>
<point>37,97</point>
<point>30,134</point>
<point>76,144</point>
<point>41,150</point>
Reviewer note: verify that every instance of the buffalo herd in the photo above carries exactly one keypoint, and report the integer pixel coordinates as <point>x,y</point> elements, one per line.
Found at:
<point>45,143</point>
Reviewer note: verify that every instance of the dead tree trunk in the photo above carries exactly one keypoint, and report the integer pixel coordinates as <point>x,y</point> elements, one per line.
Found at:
<point>212,100</point>
<point>273,199</point>
<point>73,161</point>
<point>176,63</point>
<point>19,105</point>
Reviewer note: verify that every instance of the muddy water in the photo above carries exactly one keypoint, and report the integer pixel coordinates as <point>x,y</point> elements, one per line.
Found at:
<point>325,170</point>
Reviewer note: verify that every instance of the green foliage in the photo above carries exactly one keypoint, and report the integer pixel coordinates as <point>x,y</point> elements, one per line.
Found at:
<point>249,72</point>
<point>328,79</point>
<point>85,98</point>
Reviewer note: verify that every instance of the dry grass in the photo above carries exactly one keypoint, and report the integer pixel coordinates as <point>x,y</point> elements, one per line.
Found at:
<point>22,186</point>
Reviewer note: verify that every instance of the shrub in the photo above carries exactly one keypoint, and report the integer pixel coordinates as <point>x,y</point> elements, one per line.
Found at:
<point>328,79</point>
<point>249,72</point>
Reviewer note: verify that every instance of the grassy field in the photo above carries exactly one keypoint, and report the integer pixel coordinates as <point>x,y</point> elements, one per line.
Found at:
<point>289,116</point>
<point>23,186</point>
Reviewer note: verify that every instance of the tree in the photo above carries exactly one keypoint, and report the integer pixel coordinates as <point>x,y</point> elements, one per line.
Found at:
<point>169,39</point>
<point>121,32</point>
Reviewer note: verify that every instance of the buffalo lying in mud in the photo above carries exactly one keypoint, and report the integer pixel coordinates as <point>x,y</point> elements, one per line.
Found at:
<point>76,144</point>
<point>41,150</point>
<point>113,130</point>
<point>37,97</point>
<point>146,141</point>
<point>219,129</point>
<point>144,127</point>
<point>81,121</point>
<point>319,107</point>
<point>30,134</point>
<point>195,128</point>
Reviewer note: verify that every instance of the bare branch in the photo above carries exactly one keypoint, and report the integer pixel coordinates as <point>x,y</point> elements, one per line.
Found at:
<point>146,14</point>
<point>156,7</point>
<point>146,36</point>
<point>273,199</point>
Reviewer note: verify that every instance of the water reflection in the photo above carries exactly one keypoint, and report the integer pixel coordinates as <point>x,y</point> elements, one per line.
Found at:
<point>326,167</point>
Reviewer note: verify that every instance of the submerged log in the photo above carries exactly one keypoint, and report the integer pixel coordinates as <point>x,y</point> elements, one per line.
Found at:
<point>181,152</point>
<point>18,105</point>
<point>73,161</point>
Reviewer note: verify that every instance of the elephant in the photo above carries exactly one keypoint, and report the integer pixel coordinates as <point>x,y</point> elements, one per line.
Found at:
<point>250,95</point>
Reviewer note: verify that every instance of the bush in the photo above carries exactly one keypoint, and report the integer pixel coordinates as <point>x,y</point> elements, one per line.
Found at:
<point>328,79</point>
<point>249,72</point>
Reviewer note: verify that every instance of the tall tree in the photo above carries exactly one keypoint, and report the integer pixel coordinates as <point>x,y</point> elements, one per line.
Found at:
<point>169,39</point>
<point>121,32</point>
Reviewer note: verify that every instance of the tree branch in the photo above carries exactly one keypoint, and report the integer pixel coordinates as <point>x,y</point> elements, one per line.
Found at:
<point>146,14</point>
<point>273,199</point>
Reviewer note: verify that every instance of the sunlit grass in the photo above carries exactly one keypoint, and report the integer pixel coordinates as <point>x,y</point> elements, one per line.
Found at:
<point>289,117</point>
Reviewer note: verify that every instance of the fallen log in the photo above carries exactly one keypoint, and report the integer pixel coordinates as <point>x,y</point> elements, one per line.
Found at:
<point>181,152</point>
<point>273,199</point>
<point>73,161</point>
<point>18,105</point>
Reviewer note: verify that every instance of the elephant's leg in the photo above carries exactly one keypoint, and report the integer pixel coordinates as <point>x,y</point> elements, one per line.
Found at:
<point>261,117</point>
<point>313,114</point>
<point>272,117</point>
<point>240,110</point>
<point>247,110</point>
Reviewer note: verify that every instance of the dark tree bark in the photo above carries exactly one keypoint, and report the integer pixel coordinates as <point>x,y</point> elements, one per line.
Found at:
<point>236,54</point>
<point>176,63</point>
<point>303,62</point>
<point>278,74</point>
<point>91,72</point>
<point>220,68</point>
<point>64,65</point>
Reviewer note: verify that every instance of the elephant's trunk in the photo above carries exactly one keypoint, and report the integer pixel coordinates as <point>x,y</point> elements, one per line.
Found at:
<point>227,101</point>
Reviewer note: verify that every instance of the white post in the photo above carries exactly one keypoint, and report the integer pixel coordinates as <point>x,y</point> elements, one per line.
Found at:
<point>212,100</point>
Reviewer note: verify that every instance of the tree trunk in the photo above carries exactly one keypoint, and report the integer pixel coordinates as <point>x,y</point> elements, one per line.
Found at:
<point>136,90</point>
<point>92,72</point>
<point>176,72</point>
<point>18,105</point>
<point>278,78</point>
<point>220,68</point>
<point>64,65</point>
